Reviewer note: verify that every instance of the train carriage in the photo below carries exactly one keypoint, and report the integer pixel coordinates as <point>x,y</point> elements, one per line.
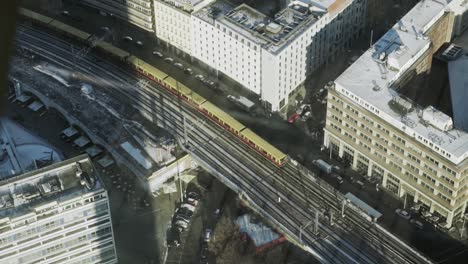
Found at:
<point>222,118</point>
<point>112,50</point>
<point>69,30</point>
<point>146,69</point>
<point>264,147</point>
<point>35,17</point>
<point>190,95</point>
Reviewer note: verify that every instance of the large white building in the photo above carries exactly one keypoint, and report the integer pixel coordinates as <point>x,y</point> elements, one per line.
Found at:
<point>56,214</point>
<point>273,56</point>
<point>414,151</point>
<point>174,22</point>
<point>136,12</point>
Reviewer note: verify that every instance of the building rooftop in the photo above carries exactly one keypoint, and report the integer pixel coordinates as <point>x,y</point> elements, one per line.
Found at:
<point>185,5</point>
<point>30,191</point>
<point>370,83</point>
<point>271,33</point>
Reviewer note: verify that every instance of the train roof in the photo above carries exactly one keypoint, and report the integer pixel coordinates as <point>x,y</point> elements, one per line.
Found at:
<point>36,16</point>
<point>190,94</point>
<point>70,30</point>
<point>260,142</point>
<point>122,54</point>
<point>147,67</point>
<point>221,115</point>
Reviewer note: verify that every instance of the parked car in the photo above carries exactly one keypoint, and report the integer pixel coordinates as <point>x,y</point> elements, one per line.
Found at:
<point>179,65</point>
<point>293,118</point>
<point>158,54</point>
<point>199,77</point>
<point>337,177</point>
<point>182,224</point>
<point>193,195</point>
<point>65,13</point>
<point>204,254</point>
<point>417,223</point>
<point>127,38</point>
<point>402,213</point>
<point>188,71</point>
<point>192,201</point>
<point>207,235</point>
<point>218,212</point>
<point>139,43</point>
<point>182,218</point>
<point>105,28</point>
<point>184,211</point>
<point>188,207</point>
<point>434,218</point>
<point>169,59</point>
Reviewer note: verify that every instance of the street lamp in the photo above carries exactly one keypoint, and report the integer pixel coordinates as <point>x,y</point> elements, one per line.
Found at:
<point>462,230</point>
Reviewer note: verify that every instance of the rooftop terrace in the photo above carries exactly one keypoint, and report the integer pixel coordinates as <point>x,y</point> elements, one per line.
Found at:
<point>61,181</point>
<point>370,80</point>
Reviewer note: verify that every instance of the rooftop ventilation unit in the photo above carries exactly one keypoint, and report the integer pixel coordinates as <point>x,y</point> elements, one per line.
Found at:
<point>402,102</point>
<point>437,119</point>
<point>273,28</point>
<point>452,52</point>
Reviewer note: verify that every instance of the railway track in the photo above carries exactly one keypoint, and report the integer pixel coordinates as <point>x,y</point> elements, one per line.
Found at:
<point>257,175</point>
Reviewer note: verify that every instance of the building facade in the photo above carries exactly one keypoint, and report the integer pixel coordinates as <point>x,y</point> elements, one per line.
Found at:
<point>273,56</point>
<point>136,12</point>
<point>173,21</point>
<point>413,151</point>
<point>57,214</point>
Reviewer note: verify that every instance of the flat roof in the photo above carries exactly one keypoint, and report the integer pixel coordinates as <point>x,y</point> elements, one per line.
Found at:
<point>25,193</point>
<point>369,81</point>
<point>70,131</point>
<point>272,33</point>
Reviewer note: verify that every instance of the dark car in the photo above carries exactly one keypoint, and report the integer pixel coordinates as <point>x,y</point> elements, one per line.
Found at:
<point>204,254</point>
<point>185,212</point>
<point>193,195</point>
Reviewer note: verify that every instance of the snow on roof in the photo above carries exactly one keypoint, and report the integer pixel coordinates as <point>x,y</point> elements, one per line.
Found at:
<point>368,82</point>
<point>32,191</point>
<point>258,232</point>
<point>137,155</point>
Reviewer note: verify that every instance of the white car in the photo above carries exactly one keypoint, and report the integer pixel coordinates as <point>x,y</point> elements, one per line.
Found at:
<point>127,38</point>
<point>207,235</point>
<point>157,53</point>
<point>168,59</point>
<point>188,207</point>
<point>188,71</point>
<point>178,65</point>
<point>404,214</point>
<point>139,43</point>
<point>181,224</point>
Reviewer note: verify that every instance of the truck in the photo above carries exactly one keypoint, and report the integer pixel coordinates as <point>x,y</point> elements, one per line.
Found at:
<point>323,166</point>
<point>242,102</point>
